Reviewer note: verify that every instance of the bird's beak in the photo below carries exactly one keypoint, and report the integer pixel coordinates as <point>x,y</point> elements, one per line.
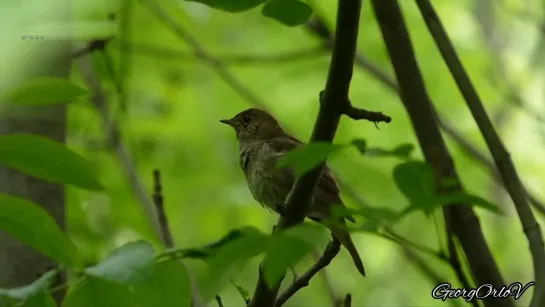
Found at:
<point>229,122</point>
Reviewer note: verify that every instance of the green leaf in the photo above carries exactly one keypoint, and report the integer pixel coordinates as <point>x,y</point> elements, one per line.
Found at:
<point>42,299</point>
<point>230,258</point>
<point>206,251</point>
<point>306,157</point>
<point>289,247</point>
<point>128,264</point>
<point>95,292</point>
<point>417,182</point>
<point>46,159</point>
<point>32,225</point>
<point>402,151</point>
<point>469,199</point>
<point>288,12</point>
<point>28,292</point>
<point>375,217</point>
<point>45,91</point>
<point>168,285</point>
<point>360,144</point>
<point>232,6</point>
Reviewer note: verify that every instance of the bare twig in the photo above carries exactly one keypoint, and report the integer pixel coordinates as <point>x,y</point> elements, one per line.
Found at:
<point>114,140</point>
<point>495,145</point>
<point>159,205</point>
<point>330,252</point>
<point>218,300</point>
<point>414,96</point>
<point>228,59</point>
<point>347,300</point>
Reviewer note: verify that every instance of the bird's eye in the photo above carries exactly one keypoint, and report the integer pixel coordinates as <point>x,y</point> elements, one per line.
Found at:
<point>247,118</point>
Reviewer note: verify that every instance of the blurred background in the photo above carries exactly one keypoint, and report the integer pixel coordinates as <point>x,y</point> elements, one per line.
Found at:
<point>167,102</point>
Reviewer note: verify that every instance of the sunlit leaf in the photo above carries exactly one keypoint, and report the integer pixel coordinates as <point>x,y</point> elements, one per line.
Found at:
<point>95,292</point>
<point>288,12</point>
<point>233,6</point>
<point>32,225</point>
<point>45,91</point>
<point>230,258</point>
<point>46,159</point>
<point>32,294</point>
<point>417,182</point>
<point>289,247</point>
<point>308,156</point>
<point>128,264</point>
<point>168,285</point>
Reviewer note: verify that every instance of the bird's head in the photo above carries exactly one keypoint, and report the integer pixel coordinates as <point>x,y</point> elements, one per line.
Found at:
<point>254,125</point>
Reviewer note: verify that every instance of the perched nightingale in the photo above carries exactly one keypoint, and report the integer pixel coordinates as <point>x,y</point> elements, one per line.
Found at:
<point>262,142</point>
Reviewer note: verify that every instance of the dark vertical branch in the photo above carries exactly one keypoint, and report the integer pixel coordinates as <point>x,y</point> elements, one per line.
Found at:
<point>497,149</point>
<point>333,103</point>
<point>414,96</point>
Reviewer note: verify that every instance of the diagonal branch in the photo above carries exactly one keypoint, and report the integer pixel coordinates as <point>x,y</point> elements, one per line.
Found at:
<point>414,96</point>
<point>330,252</point>
<point>497,149</point>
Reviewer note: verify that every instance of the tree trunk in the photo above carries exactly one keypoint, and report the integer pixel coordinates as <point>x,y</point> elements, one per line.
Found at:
<point>31,58</point>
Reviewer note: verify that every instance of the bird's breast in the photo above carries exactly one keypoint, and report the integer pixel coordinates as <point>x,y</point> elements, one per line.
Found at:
<point>264,180</point>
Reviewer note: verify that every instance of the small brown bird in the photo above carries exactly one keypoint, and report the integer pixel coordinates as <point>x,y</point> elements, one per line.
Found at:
<point>262,141</point>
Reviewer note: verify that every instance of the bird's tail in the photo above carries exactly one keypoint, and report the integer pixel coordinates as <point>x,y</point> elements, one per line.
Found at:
<point>344,237</point>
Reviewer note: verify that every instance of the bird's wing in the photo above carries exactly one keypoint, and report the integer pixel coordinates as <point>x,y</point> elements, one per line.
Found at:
<point>327,184</point>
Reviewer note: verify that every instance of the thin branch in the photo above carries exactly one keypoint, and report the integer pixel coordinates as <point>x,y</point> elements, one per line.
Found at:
<point>114,140</point>
<point>347,300</point>
<point>357,114</point>
<point>218,300</point>
<point>327,281</point>
<point>159,205</point>
<point>330,252</point>
<point>318,27</point>
<point>497,149</point>
<point>304,54</point>
<point>421,112</point>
